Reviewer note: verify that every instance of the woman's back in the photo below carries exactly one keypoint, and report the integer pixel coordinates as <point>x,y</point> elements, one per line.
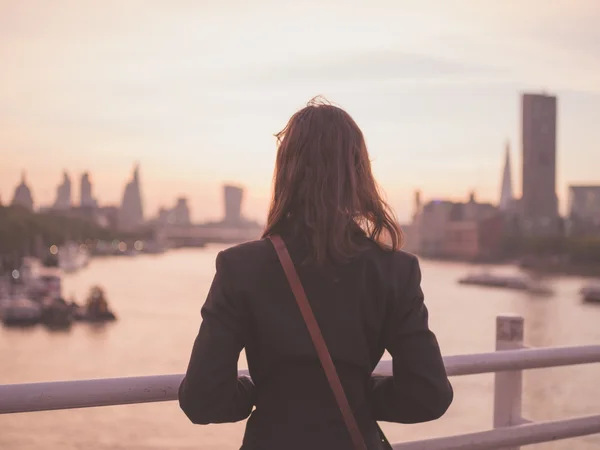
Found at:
<point>365,294</point>
<point>364,306</point>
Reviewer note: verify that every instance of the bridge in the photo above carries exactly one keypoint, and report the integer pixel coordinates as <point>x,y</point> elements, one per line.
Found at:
<point>510,429</point>
<point>200,235</point>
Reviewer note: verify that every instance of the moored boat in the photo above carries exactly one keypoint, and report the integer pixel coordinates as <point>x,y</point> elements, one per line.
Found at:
<point>56,314</point>
<point>96,308</point>
<point>20,311</point>
<point>515,282</point>
<point>47,284</point>
<point>591,292</point>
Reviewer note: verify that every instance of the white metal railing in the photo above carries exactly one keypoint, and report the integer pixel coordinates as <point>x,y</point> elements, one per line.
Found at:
<point>510,429</point>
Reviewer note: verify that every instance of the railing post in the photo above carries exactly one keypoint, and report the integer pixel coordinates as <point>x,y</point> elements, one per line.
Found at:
<point>508,386</point>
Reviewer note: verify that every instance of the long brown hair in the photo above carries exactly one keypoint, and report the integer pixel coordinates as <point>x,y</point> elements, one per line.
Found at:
<point>323,187</point>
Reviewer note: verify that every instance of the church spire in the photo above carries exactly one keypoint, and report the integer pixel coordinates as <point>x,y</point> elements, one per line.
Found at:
<point>506,191</point>
<point>136,173</point>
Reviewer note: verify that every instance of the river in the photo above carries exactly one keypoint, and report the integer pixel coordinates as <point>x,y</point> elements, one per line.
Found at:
<point>158,299</point>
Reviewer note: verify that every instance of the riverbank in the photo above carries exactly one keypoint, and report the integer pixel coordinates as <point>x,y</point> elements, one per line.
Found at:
<point>563,268</point>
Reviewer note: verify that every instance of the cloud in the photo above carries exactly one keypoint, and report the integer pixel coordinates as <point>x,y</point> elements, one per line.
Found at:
<point>372,67</point>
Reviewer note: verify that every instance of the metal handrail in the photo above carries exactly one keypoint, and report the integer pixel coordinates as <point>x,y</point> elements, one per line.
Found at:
<point>46,396</point>
<point>510,436</point>
<point>510,429</point>
<point>510,360</point>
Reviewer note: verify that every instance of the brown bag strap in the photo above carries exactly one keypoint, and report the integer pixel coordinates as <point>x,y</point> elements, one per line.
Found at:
<point>318,341</point>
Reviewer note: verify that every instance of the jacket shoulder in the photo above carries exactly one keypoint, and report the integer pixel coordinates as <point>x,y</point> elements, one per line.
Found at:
<point>252,252</point>
<point>404,259</point>
<point>395,259</point>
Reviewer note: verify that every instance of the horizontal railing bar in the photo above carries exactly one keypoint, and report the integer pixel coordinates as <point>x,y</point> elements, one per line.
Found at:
<point>510,436</point>
<point>47,396</point>
<point>510,360</point>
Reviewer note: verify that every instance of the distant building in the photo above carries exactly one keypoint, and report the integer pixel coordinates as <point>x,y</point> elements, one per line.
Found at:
<point>410,242</point>
<point>584,203</point>
<point>584,210</point>
<point>87,199</point>
<point>429,227</point>
<point>474,210</point>
<point>233,197</point>
<point>63,194</point>
<point>473,238</point>
<point>22,195</point>
<point>182,212</point>
<point>418,204</point>
<point>539,203</point>
<point>507,198</point>
<point>178,215</point>
<point>132,211</point>
<point>233,219</point>
<point>443,228</point>
<point>163,215</point>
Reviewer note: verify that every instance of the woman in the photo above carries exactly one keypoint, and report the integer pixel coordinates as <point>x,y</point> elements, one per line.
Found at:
<point>364,291</point>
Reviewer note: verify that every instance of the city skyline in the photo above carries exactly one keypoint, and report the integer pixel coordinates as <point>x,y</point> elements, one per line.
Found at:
<point>435,86</point>
<point>131,210</point>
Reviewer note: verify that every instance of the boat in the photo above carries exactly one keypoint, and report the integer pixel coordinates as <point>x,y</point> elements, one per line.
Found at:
<point>46,284</point>
<point>515,282</point>
<point>591,292</point>
<point>96,308</point>
<point>20,311</point>
<point>56,314</point>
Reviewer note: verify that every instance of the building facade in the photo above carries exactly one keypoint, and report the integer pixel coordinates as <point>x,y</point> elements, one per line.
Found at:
<point>87,199</point>
<point>428,229</point>
<point>132,210</point>
<point>22,196</point>
<point>475,240</point>
<point>539,203</point>
<point>469,230</point>
<point>584,210</point>
<point>233,196</point>
<point>507,198</point>
<point>63,194</point>
<point>584,203</point>
<point>178,215</point>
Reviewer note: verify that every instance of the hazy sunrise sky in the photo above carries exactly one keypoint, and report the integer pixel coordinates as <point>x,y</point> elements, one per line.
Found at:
<point>195,90</point>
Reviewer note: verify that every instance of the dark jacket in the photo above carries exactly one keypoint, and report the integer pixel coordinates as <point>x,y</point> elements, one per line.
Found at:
<point>370,304</point>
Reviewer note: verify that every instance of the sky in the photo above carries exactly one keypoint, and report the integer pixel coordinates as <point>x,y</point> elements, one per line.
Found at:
<point>195,90</point>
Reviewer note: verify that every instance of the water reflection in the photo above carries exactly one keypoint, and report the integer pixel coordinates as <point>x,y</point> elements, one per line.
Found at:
<point>97,330</point>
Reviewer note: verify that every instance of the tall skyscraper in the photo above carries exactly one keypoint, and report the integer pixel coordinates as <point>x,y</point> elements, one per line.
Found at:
<point>506,190</point>
<point>22,195</point>
<point>539,204</point>
<point>86,197</point>
<point>63,193</point>
<point>233,204</point>
<point>132,211</point>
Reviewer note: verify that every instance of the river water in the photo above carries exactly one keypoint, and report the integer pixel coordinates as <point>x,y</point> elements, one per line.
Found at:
<point>158,299</point>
